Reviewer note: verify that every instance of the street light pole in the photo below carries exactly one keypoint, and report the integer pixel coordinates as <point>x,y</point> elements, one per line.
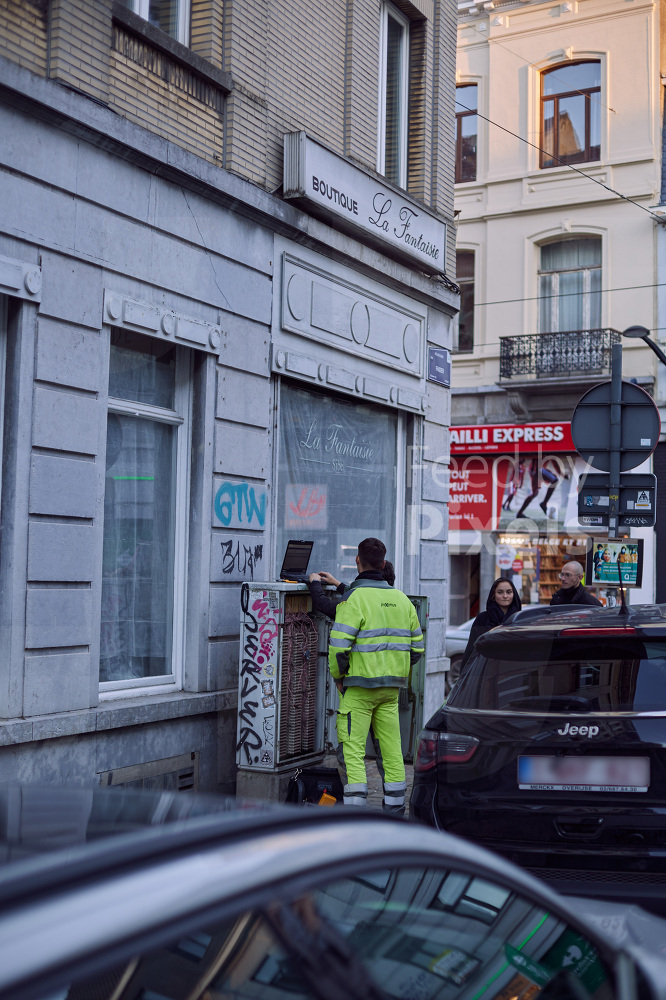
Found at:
<point>615,441</point>
<point>642,333</point>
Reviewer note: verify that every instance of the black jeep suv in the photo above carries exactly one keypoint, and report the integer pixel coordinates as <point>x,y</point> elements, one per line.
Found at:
<point>551,750</point>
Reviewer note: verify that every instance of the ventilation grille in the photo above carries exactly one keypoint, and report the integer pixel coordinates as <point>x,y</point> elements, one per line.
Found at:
<point>171,774</point>
<point>298,685</point>
<point>610,877</point>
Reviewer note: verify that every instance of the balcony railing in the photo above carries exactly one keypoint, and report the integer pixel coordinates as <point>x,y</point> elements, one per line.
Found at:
<point>557,355</point>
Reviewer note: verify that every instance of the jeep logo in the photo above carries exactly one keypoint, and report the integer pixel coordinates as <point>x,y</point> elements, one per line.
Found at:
<point>588,731</point>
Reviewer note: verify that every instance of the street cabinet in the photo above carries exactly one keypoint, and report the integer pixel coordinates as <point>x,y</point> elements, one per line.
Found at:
<point>287,700</point>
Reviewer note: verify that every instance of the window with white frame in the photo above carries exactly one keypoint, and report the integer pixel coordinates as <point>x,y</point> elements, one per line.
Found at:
<point>145,508</point>
<point>171,16</point>
<point>466,132</point>
<point>393,95</point>
<point>571,114</point>
<point>570,285</point>
<point>465,278</point>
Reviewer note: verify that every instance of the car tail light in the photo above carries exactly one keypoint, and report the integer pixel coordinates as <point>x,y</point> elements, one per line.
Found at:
<point>443,748</point>
<point>616,632</point>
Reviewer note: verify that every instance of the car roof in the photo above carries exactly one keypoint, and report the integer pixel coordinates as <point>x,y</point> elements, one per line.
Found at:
<point>73,900</point>
<point>644,620</point>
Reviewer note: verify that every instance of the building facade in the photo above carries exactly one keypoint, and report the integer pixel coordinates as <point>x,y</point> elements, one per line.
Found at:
<point>225,241</point>
<point>558,166</point>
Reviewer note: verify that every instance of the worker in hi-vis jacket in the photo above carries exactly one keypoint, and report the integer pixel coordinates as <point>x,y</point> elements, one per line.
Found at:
<point>374,641</point>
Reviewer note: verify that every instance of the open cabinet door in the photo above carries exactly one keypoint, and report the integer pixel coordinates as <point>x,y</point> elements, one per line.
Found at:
<point>411,697</point>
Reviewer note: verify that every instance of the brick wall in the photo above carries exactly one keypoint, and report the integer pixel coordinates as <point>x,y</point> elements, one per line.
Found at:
<point>23,34</point>
<point>207,30</point>
<point>295,65</point>
<point>151,88</point>
<point>79,45</point>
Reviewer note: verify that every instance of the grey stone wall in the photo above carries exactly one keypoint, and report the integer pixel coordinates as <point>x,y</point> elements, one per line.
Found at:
<point>97,209</point>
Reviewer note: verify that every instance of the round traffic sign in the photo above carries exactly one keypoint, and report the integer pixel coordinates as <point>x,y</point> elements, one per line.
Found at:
<point>591,426</point>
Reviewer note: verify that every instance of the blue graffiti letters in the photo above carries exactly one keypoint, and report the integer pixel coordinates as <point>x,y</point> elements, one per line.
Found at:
<point>238,498</point>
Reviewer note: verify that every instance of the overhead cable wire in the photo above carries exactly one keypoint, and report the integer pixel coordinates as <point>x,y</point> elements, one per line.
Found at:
<point>561,295</point>
<point>531,65</point>
<point>588,177</point>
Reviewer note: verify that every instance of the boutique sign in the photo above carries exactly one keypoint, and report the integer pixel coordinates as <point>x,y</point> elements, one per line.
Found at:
<point>334,187</point>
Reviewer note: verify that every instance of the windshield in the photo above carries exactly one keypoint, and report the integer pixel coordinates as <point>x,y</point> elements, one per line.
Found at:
<point>565,676</point>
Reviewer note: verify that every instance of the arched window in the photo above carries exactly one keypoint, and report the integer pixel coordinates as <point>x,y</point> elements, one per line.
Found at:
<point>570,285</point>
<point>571,114</point>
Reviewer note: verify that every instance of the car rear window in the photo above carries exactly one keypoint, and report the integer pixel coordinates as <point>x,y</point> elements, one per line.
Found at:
<point>565,676</point>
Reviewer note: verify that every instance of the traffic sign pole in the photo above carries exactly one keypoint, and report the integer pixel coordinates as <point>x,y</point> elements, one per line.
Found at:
<point>615,441</point>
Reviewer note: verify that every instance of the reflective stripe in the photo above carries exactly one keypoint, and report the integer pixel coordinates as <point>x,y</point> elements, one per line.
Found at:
<point>358,788</point>
<point>339,627</point>
<point>379,647</point>
<point>355,795</point>
<point>395,786</point>
<point>417,633</point>
<point>356,680</point>
<point>341,643</point>
<point>372,633</point>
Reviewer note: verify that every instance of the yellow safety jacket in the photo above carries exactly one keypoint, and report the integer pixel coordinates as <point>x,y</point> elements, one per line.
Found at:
<point>376,636</point>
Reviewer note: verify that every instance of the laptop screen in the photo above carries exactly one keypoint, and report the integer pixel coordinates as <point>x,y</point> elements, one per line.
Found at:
<point>296,558</point>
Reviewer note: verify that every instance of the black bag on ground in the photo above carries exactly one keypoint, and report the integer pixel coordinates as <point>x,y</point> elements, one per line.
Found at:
<point>310,783</point>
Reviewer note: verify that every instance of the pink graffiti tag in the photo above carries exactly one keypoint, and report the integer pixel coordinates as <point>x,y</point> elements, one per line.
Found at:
<point>268,627</point>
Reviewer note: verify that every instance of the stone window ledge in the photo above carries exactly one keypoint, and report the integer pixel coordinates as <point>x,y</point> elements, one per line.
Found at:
<point>115,715</point>
<point>164,43</point>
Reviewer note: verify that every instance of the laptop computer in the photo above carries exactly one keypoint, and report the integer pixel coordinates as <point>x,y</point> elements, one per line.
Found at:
<point>295,562</point>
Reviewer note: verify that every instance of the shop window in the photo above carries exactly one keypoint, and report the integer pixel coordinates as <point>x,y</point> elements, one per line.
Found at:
<point>171,16</point>
<point>394,95</point>
<point>570,286</point>
<point>144,511</point>
<point>465,278</point>
<point>570,114</point>
<point>466,132</point>
<point>337,478</point>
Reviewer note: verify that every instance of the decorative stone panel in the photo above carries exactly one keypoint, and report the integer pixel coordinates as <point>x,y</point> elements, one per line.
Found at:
<point>156,321</point>
<point>21,280</point>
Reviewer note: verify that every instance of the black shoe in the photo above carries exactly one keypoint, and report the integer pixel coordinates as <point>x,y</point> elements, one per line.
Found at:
<point>544,508</point>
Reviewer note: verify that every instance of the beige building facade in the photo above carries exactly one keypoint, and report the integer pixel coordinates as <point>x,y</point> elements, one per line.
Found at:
<point>559,131</point>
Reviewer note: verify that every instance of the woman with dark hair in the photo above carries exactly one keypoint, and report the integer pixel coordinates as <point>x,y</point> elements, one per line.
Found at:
<point>503,600</point>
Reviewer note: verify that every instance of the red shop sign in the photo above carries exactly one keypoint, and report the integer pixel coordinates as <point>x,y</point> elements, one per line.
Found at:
<point>511,439</point>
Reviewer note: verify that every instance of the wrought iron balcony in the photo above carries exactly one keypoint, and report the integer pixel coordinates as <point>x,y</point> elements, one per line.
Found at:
<point>557,355</point>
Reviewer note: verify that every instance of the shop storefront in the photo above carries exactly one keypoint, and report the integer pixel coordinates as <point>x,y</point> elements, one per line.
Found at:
<point>337,476</point>
<point>514,505</point>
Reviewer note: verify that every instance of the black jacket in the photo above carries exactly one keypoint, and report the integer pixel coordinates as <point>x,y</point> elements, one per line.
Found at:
<point>490,618</point>
<point>321,599</point>
<point>574,595</point>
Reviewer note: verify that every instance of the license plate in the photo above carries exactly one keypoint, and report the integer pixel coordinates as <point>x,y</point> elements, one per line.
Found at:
<point>584,774</point>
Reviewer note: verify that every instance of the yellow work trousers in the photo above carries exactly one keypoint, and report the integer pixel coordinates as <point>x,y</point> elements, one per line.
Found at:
<point>359,709</point>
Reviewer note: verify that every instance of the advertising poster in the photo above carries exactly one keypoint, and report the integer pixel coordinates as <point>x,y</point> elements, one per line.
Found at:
<point>611,561</point>
<point>514,477</point>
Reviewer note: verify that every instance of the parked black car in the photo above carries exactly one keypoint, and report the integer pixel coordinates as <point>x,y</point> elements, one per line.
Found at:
<point>551,750</point>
